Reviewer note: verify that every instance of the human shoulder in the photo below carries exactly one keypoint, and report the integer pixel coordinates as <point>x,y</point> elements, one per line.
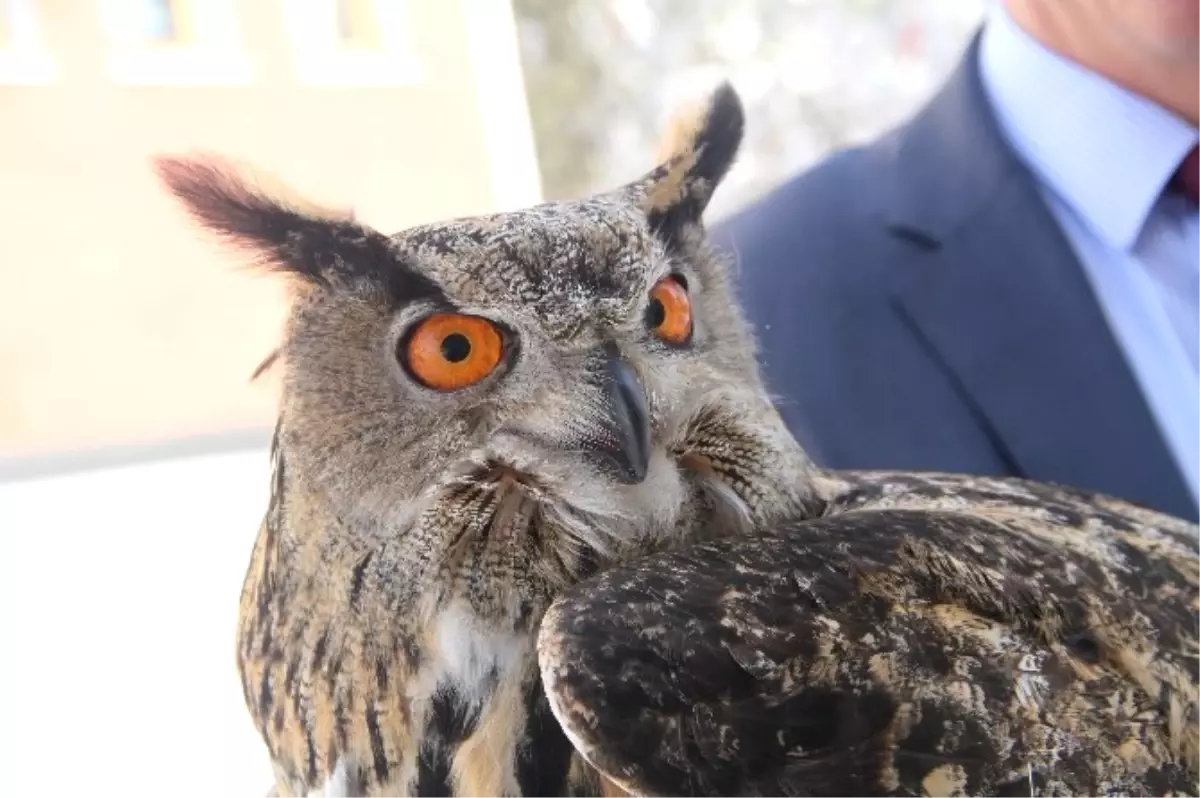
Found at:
<point>837,188</point>
<point>826,224</point>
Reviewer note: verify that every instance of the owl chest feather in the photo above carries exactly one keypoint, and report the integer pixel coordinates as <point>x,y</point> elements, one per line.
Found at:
<point>456,710</point>
<point>426,685</point>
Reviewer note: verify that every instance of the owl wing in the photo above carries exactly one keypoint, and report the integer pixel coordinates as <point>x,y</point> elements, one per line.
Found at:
<point>889,651</point>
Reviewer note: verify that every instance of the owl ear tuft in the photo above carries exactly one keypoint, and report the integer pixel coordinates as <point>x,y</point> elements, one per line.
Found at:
<point>259,215</point>
<point>695,152</point>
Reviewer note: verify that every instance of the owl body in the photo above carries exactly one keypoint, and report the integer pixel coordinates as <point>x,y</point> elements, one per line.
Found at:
<point>417,534</point>
<point>536,528</point>
<point>923,634</point>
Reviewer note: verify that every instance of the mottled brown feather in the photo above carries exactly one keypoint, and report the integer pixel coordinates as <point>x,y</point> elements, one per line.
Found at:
<point>928,634</point>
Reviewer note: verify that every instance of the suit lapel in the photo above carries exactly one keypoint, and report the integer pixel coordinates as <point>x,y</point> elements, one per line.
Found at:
<point>1008,310</point>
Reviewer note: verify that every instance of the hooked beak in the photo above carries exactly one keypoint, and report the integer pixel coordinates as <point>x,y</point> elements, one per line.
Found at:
<point>623,448</point>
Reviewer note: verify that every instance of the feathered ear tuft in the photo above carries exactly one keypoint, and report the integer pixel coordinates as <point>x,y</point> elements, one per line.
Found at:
<point>695,153</point>
<point>259,215</point>
<point>705,136</point>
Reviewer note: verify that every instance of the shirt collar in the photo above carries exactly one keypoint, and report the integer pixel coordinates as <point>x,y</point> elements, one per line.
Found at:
<point>1105,151</point>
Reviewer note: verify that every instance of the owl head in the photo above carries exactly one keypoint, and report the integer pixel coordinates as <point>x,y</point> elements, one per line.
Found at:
<point>589,354</point>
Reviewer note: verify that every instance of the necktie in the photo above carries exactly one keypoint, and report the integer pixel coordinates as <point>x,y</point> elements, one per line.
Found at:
<point>1177,273</point>
<point>1187,179</point>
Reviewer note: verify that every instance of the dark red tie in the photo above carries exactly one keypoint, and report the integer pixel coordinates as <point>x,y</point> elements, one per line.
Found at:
<point>1187,179</point>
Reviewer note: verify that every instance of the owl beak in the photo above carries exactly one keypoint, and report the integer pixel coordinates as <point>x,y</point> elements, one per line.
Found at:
<point>624,448</point>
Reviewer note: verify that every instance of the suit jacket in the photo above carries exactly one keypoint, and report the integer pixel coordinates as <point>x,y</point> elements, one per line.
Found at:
<point>918,307</point>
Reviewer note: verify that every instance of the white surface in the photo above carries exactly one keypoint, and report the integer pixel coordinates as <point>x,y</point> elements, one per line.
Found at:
<point>215,57</point>
<point>503,106</point>
<point>24,59</point>
<point>118,601</point>
<point>320,61</point>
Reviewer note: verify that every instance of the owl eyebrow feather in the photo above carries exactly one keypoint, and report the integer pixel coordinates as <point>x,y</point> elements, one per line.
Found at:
<point>696,152</point>
<point>284,233</point>
<point>277,228</point>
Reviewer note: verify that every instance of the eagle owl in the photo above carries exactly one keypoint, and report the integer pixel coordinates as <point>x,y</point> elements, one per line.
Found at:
<point>535,528</point>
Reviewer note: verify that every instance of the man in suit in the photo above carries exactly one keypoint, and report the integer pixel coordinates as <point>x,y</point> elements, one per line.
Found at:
<point>1008,283</point>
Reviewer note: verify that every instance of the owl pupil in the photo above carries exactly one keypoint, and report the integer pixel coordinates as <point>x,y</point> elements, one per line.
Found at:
<point>456,347</point>
<point>656,314</point>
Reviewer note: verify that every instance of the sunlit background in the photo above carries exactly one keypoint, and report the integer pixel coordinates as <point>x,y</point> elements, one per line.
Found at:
<point>133,465</point>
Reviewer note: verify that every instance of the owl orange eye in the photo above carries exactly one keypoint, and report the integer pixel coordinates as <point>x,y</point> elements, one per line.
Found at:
<point>670,311</point>
<point>449,351</point>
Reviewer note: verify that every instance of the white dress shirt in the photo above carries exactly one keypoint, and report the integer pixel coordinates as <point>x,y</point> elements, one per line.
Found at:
<point>1103,157</point>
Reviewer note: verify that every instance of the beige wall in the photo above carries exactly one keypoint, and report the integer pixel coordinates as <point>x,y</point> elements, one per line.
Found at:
<point>119,323</point>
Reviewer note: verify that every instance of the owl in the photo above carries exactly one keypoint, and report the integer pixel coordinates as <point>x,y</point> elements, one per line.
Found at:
<point>536,528</point>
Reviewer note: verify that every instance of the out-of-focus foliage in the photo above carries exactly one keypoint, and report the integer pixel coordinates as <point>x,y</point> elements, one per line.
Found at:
<point>816,75</point>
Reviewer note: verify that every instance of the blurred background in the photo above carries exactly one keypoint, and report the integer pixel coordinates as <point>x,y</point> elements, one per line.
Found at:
<point>133,462</point>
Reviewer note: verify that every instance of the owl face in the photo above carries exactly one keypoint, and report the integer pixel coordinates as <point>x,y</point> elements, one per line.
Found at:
<point>587,352</point>
<point>565,344</point>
